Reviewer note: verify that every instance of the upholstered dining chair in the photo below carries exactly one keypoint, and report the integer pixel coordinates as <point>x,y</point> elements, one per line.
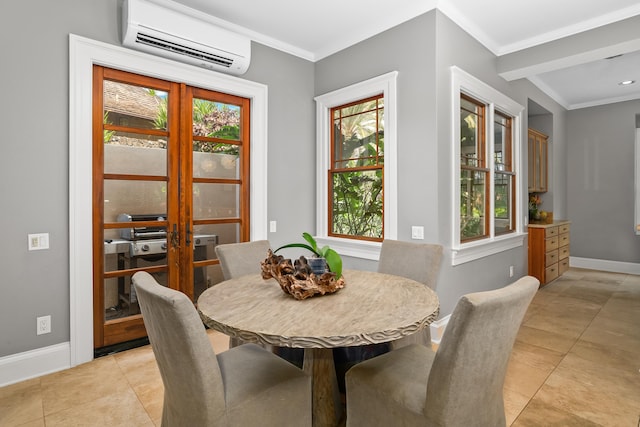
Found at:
<point>239,259</point>
<point>416,261</point>
<point>244,386</point>
<point>461,383</point>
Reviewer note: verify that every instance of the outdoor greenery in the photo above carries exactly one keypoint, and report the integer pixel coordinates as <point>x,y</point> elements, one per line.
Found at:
<point>107,134</point>
<point>357,199</point>
<point>210,119</point>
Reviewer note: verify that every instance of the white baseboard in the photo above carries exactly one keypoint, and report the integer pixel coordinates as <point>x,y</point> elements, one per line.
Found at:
<point>437,329</point>
<point>605,265</point>
<point>34,363</point>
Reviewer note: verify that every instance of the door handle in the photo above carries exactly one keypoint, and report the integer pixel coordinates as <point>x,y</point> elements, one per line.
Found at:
<point>188,235</point>
<point>175,238</point>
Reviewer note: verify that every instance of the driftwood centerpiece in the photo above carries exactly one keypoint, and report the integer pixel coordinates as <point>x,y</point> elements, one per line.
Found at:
<point>297,279</point>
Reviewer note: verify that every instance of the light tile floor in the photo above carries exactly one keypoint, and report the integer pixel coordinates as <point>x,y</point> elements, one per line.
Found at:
<point>575,363</point>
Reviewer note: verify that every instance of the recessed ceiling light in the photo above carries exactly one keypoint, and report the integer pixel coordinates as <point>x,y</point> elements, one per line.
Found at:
<point>627,82</point>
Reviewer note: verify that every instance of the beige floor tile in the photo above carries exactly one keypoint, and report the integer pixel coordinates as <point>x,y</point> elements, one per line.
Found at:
<point>547,321</point>
<point>529,367</point>
<point>614,333</point>
<point>219,341</point>
<point>514,403</point>
<point>604,355</point>
<point>151,395</point>
<point>595,292</point>
<point>590,397</point>
<point>538,414</point>
<point>545,339</point>
<point>138,365</point>
<point>35,423</point>
<point>113,410</point>
<point>81,384</point>
<point>21,403</point>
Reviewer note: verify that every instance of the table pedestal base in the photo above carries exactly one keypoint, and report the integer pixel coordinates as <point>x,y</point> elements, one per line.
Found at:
<point>327,407</point>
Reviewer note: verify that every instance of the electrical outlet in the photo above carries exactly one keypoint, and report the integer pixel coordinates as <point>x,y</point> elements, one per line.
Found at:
<point>43,325</point>
<point>511,271</point>
<point>272,226</point>
<point>417,232</point>
<point>38,241</point>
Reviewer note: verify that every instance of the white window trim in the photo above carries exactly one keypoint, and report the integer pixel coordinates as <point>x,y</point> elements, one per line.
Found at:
<point>385,84</point>
<point>462,82</point>
<point>83,54</point>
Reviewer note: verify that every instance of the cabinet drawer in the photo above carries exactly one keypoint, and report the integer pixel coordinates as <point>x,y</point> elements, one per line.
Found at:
<point>551,257</point>
<point>564,240</point>
<point>564,228</point>
<point>551,273</point>
<point>550,232</point>
<point>551,244</point>
<point>563,252</point>
<point>563,266</point>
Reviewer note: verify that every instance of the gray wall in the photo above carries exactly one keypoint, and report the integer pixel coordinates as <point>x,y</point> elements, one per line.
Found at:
<point>422,51</point>
<point>34,162</point>
<point>600,170</point>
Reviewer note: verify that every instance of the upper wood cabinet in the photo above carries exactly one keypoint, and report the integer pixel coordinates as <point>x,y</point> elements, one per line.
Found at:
<point>538,162</point>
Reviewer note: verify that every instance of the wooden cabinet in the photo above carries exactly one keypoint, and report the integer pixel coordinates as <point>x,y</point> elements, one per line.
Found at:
<point>538,162</point>
<point>548,250</point>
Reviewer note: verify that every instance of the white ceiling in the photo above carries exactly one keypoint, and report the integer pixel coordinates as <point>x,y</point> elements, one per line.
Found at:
<point>314,30</point>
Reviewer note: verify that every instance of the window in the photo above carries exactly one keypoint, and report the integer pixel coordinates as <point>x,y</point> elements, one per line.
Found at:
<point>486,170</point>
<point>356,174</point>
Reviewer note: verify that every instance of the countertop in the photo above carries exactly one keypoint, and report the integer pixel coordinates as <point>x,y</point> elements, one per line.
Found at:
<point>545,225</point>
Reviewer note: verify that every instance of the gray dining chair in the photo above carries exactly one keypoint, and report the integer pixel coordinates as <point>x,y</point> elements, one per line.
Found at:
<point>416,261</point>
<point>244,386</point>
<point>239,259</point>
<point>461,383</point>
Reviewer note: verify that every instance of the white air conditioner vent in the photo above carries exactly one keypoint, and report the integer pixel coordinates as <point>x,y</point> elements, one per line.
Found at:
<point>149,40</point>
<point>153,28</point>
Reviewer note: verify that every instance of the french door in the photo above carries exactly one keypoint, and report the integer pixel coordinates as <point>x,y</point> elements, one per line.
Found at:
<point>170,181</point>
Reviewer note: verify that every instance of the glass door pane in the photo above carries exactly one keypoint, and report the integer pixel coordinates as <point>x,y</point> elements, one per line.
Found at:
<point>219,150</point>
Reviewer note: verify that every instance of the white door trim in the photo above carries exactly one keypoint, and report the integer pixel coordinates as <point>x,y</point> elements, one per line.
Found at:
<point>83,54</point>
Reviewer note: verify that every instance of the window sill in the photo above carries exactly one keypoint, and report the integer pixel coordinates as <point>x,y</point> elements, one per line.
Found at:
<point>481,249</point>
<point>353,248</point>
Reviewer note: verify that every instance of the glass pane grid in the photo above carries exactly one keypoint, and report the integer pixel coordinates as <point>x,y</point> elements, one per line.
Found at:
<point>358,144</point>
<point>134,106</point>
<point>216,119</point>
<point>472,204</point>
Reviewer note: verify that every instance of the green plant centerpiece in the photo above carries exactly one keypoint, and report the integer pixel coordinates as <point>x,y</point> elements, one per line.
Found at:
<point>301,279</point>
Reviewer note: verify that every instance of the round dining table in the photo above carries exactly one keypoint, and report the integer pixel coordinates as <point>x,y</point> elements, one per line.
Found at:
<point>372,308</point>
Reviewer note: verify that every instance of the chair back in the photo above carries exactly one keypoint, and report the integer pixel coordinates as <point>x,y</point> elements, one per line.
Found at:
<point>239,259</point>
<point>467,376</point>
<point>416,261</point>
<point>193,387</point>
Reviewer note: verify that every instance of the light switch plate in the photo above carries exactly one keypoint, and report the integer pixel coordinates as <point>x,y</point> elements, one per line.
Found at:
<point>38,241</point>
<point>417,232</point>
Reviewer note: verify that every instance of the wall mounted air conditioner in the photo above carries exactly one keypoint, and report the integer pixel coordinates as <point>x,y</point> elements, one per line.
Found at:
<point>163,31</point>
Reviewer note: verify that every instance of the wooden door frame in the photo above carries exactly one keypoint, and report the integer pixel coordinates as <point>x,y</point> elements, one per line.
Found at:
<point>83,54</point>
